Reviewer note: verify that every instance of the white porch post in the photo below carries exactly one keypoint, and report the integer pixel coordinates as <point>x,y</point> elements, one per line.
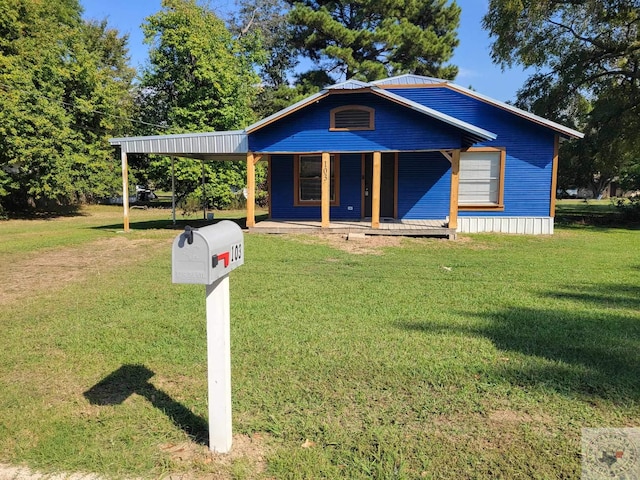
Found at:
<point>125,189</point>
<point>173,190</point>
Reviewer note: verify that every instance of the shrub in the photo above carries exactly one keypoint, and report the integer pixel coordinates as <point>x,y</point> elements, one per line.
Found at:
<point>629,208</point>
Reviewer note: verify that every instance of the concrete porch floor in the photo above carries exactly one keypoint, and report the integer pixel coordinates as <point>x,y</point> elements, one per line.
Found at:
<point>388,226</point>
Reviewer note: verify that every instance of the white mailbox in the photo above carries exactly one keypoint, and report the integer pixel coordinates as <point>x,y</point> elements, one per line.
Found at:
<point>206,256</point>
<point>203,255</point>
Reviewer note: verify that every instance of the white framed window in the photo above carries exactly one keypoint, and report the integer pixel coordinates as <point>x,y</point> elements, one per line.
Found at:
<point>481,179</point>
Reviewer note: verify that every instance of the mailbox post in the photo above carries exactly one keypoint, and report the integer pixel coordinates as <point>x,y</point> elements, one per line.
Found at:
<point>206,256</point>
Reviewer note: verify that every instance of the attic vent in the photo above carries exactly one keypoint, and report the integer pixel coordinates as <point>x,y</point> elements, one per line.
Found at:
<point>352,117</point>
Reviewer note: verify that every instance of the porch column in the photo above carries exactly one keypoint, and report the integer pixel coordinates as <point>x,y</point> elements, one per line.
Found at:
<point>125,189</point>
<point>251,190</point>
<point>375,187</point>
<point>455,187</point>
<point>554,176</point>
<point>325,188</point>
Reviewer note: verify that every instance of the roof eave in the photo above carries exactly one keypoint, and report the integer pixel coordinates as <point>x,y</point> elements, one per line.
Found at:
<point>475,132</point>
<point>561,129</point>
<point>286,111</point>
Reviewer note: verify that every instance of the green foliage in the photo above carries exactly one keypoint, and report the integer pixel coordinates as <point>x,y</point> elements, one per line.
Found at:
<point>198,78</point>
<point>583,52</point>
<point>372,39</point>
<point>271,100</point>
<point>630,178</point>
<point>267,21</point>
<point>629,208</point>
<point>62,82</point>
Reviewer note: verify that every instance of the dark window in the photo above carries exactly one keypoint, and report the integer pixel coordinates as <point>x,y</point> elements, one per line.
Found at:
<point>308,180</point>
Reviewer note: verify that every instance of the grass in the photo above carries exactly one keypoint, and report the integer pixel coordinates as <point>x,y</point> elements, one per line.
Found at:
<point>481,358</point>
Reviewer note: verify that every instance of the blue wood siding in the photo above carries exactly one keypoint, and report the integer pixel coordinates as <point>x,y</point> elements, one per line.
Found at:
<point>396,128</point>
<point>282,193</point>
<point>424,184</point>
<point>529,148</point>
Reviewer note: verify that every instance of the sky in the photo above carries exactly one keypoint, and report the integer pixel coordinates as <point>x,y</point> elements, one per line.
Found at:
<point>472,56</point>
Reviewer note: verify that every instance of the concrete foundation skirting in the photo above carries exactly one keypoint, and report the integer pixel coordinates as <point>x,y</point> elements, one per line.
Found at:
<point>520,225</point>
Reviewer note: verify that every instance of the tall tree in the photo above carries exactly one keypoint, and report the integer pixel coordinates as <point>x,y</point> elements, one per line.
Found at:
<point>580,50</point>
<point>267,20</point>
<point>199,78</point>
<point>61,80</point>
<point>372,39</point>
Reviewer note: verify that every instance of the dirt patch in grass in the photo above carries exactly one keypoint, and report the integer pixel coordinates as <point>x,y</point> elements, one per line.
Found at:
<point>247,454</point>
<point>54,269</point>
<point>369,245</point>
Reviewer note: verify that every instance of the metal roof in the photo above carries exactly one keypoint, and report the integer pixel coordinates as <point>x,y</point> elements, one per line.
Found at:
<point>231,145</point>
<point>472,134</point>
<point>410,79</point>
<point>566,131</point>
<point>234,145</point>
<point>352,84</point>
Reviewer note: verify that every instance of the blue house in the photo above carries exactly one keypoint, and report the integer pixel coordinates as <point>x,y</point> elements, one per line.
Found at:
<point>408,150</point>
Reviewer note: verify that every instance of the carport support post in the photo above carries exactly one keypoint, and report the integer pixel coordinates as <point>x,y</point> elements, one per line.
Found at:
<point>375,197</point>
<point>173,189</point>
<point>325,183</point>
<point>219,365</point>
<point>125,189</point>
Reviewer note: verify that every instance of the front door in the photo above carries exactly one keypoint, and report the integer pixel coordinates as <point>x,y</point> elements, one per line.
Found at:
<point>387,184</point>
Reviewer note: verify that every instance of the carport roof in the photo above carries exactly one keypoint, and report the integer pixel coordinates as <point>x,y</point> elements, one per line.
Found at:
<point>231,145</point>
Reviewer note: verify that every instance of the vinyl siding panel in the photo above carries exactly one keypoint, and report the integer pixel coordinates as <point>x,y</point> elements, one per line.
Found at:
<point>424,184</point>
<point>517,225</point>
<point>529,149</point>
<point>396,128</point>
<point>282,190</point>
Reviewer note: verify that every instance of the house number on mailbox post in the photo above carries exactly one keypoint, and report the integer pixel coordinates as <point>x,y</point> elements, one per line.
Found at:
<point>206,256</point>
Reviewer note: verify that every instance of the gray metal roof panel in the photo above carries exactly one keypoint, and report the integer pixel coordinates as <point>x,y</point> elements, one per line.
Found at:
<point>409,79</point>
<point>209,143</point>
<point>352,84</point>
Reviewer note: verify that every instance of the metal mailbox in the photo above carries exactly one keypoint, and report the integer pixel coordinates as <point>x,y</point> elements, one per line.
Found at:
<point>203,255</point>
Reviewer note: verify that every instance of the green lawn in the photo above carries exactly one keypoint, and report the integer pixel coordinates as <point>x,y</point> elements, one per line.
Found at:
<point>479,358</point>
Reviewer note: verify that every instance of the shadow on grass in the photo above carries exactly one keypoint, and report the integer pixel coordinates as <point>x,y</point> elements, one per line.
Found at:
<point>179,225</point>
<point>116,387</point>
<point>590,353</point>
<point>584,214</point>
<point>37,214</point>
<point>602,295</point>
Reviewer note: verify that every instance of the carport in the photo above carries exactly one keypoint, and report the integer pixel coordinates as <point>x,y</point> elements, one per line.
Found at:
<point>211,146</point>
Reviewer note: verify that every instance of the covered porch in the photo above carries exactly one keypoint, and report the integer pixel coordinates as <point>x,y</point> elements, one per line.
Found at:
<point>386,226</point>
<point>233,145</point>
